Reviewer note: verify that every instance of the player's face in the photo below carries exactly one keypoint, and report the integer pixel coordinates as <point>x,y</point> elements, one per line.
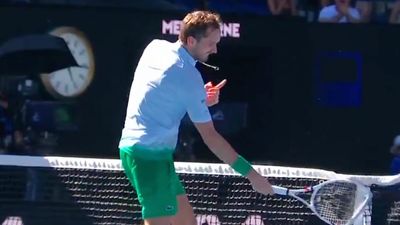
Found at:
<point>207,45</point>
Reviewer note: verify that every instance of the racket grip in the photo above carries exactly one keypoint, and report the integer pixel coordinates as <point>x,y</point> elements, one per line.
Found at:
<point>280,190</point>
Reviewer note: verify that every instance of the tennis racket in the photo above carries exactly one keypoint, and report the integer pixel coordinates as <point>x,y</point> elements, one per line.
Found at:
<point>336,202</point>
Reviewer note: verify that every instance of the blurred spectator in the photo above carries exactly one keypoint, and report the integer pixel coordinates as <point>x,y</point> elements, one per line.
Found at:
<point>395,150</point>
<point>324,3</point>
<point>11,138</point>
<point>340,12</point>
<point>6,125</point>
<point>310,8</point>
<point>394,14</point>
<point>282,7</point>
<point>364,7</point>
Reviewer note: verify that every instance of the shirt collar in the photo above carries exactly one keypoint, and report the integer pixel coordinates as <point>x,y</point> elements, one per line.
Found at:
<point>185,54</point>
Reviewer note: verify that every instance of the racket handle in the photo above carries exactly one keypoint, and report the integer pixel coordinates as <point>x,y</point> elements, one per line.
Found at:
<point>280,190</point>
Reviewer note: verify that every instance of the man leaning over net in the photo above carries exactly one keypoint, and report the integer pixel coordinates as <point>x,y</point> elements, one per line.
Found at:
<point>166,85</point>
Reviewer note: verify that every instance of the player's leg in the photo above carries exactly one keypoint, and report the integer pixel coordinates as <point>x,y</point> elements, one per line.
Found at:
<point>158,221</point>
<point>185,215</point>
<point>151,180</point>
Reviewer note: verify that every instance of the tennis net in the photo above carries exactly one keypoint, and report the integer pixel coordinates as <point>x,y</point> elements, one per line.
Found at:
<point>86,191</point>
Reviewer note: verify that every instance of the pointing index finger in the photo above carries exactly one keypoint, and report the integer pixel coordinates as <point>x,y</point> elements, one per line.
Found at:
<point>221,84</point>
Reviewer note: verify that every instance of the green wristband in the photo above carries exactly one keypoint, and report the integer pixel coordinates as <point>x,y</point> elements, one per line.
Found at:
<point>242,166</point>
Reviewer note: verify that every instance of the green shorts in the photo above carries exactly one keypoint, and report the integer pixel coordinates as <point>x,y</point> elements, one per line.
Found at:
<point>155,182</point>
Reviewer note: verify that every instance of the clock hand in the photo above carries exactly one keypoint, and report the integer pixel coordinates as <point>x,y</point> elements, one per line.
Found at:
<point>83,65</point>
<point>72,79</point>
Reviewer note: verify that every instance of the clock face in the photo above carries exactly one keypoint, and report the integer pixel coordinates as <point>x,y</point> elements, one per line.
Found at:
<point>69,82</point>
<point>72,81</point>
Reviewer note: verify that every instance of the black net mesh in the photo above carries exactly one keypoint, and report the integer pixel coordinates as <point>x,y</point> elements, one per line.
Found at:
<point>74,196</point>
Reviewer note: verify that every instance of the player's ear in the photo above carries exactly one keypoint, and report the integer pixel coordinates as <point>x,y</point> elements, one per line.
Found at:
<point>191,41</point>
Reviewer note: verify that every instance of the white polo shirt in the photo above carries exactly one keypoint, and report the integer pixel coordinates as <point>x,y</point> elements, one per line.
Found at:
<point>166,85</point>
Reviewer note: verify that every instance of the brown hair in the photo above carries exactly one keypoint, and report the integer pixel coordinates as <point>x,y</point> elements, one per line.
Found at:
<point>197,23</point>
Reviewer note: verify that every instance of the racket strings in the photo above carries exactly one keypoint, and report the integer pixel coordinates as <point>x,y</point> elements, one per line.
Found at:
<point>335,202</point>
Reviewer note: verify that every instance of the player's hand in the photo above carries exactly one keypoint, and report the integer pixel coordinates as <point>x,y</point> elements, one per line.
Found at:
<point>213,92</point>
<point>260,183</point>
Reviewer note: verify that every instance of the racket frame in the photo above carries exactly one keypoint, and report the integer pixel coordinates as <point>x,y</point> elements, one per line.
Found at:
<point>367,195</point>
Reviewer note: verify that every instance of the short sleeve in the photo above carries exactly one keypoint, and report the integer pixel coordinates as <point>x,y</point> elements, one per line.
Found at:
<point>194,98</point>
<point>197,108</point>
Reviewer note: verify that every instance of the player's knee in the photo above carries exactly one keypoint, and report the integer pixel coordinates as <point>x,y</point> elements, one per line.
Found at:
<point>184,221</point>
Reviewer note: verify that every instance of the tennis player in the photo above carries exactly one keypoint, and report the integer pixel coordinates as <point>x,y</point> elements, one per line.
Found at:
<point>167,85</point>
